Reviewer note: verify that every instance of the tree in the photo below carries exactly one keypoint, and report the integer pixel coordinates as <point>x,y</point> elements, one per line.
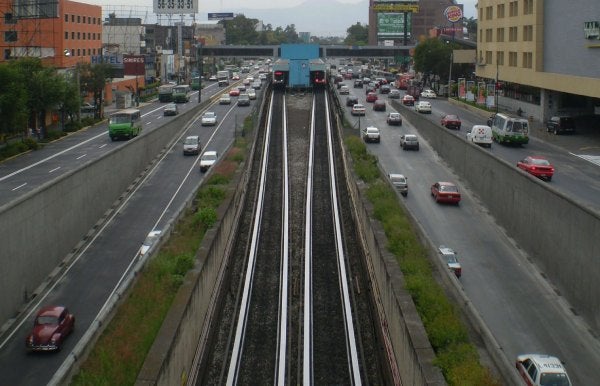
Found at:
<point>92,79</point>
<point>241,30</point>
<point>432,56</point>
<point>357,35</point>
<point>13,102</point>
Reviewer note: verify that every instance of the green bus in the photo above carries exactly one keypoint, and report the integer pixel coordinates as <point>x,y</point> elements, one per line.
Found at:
<point>195,83</point>
<point>181,93</point>
<point>509,130</point>
<point>165,93</point>
<point>124,124</point>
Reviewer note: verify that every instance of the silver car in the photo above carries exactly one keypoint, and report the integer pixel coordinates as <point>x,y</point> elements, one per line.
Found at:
<point>400,182</point>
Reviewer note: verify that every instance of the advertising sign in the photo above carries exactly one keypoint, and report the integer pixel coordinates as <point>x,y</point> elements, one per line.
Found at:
<point>481,93</point>
<point>395,7</point>
<point>133,65</point>
<point>220,15</point>
<point>453,13</point>
<point>462,88</point>
<point>175,7</point>
<point>391,24</point>
<point>115,60</point>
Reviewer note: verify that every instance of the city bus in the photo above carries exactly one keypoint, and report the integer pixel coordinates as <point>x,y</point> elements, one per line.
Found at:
<point>124,124</point>
<point>165,93</point>
<point>195,83</point>
<point>181,93</point>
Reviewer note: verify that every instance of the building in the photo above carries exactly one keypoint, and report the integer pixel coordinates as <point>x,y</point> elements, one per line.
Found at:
<point>60,32</point>
<point>545,54</point>
<point>123,35</point>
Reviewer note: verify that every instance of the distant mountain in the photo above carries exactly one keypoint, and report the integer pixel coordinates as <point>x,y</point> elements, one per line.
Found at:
<point>319,17</point>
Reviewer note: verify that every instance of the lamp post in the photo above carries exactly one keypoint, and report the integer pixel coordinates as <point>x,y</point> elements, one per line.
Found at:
<point>496,85</point>
<point>200,69</point>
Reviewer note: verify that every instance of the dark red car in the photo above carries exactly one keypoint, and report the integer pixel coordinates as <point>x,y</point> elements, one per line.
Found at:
<point>379,105</point>
<point>234,92</point>
<point>537,166</point>
<point>451,121</point>
<point>51,326</point>
<point>445,192</point>
<point>371,97</point>
<point>408,100</point>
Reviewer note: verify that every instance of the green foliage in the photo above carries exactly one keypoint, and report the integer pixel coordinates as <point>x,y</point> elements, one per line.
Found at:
<point>52,135</point>
<point>365,164</point>
<point>357,35</point>
<point>206,217</point>
<point>433,56</point>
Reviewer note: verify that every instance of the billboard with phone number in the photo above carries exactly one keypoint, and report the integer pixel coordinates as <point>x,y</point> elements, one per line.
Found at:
<point>392,24</point>
<point>175,7</point>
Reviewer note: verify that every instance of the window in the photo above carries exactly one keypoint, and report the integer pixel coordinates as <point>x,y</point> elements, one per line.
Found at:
<point>89,35</point>
<point>93,51</point>
<point>528,33</point>
<point>66,35</point>
<point>9,18</point>
<point>527,60</point>
<point>489,35</point>
<point>66,18</point>
<point>500,11</point>
<point>512,59</point>
<point>6,54</point>
<point>489,13</point>
<point>73,35</point>
<point>78,35</point>
<point>500,58</point>
<point>527,7</point>
<point>84,36</point>
<point>78,19</point>
<point>488,57</point>
<point>500,35</point>
<point>10,36</point>
<point>72,52</point>
<point>93,20</point>
<point>480,13</point>
<point>72,18</point>
<point>512,34</point>
<point>89,20</point>
<point>480,35</point>
<point>513,8</point>
<point>79,52</point>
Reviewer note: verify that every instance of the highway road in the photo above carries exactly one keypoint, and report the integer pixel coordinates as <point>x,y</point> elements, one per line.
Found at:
<point>105,261</point>
<point>520,307</point>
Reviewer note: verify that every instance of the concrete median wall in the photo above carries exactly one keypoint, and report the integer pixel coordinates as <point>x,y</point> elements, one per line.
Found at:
<point>41,231</point>
<point>561,235</point>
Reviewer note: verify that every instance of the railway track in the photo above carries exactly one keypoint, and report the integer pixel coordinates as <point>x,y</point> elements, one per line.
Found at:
<point>296,310</point>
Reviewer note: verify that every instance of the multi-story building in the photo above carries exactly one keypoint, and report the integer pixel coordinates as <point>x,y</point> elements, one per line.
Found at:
<point>544,53</point>
<point>123,35</point>
<point>60,32</point>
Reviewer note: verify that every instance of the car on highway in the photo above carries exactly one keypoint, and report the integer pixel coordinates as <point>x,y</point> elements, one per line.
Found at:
<point>409,141</point>
<point>481,135</point>
<point>150,240</point>
<point>212,78</point>
<point>225,99</point>
<point>423,107</point>
<point>358,83</point>
<point>451,121</point>
<point>351,100</point>
<point>394,118</point>
<point>449,256</point>
<point>235,76</point>
<point>251,93</point>
<point>371,134</point>
<point>394,94</point>
<point>208,159</point>
<point>371,97</point>
<point>358,109</point>
<point>542,370</point>
<point>400,182</point>
<point>344,90</point>
<point>379,105</point>
<point>192,145</point>
<point>247,81</point>
<point>243,100</point>
<point>209,118</point>
<point>537,166</point>
<point>170,109</point>
<point>445,192</point>
<point>385,89</point>
<point>369,89</point>
<point>234,92</point>
<point>51,326</point>
<point>257,85</point>
<point>560,124</point>
<point>428,93</point>
<point>408,100</point>
<point>241,88</point>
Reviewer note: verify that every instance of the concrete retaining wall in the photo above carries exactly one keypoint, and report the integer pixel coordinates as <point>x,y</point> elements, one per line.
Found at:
<point>38,230</point>
<point>561,235</point>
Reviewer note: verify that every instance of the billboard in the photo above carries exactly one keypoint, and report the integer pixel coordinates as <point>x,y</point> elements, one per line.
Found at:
<point>134,65</point>
<point>174,7</point>
<point>392,24</point>
<point>220,15</point>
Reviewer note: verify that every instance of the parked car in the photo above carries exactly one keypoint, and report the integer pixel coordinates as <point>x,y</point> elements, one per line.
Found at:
<point>243,100</point>
<point>208,159</point>
<point>51,326</point>
<point>445,192</point>
<point>344,90</point>
<point>234,92</point>
<point>170,109</point>
<point>150,240</point>
<point>409,141</point>
<point>423,107</point>
<point>558,125</point>
<point>449,256</point>
<point>542,370</point>
<point>351,100</point>
<point>408,100</point>
<point>358,109</point>
<point>225,99</point>
<point>537,166</point>
<point>192,145</point>
<point>451,121</point>
<point>209,118</point>
<point>371,97</point>
<point>400,182</point>
<point>379,105</point>
<point>428,93</point>
<point>481,135</point>
<point>371,134</point>
<point>394,119</point>
<point>394,94</point>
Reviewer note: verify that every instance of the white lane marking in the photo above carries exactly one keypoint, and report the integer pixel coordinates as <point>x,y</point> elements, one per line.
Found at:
<point>19,187</point>
<point>595,159</point>
<point>81,156</point>
<point>53,170</point>
<point>101,146</point>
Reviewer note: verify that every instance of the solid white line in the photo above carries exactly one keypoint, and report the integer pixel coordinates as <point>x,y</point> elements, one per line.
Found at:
<point>19,187</point>
<point>53,170</point>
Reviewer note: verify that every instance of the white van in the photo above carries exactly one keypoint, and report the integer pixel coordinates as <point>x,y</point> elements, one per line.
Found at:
<point>507,129</point>
<point>481,135</point>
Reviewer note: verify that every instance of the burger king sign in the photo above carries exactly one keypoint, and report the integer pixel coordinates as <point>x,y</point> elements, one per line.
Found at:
<point>453,13</point>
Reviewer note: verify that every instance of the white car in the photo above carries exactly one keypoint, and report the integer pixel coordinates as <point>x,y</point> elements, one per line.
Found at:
<point>149,242</point>
<point>371,134</point>
<point>540,370</point>
<point>423,107</point>
<point>344,90</point>
<point>225,99</point>
<point>400,182</point>
<point>209,118</point>
<point>208,159</point>
<point>358,109</point>
<point>251,93</point>
<point>428,94</point>
<point>449,256</point>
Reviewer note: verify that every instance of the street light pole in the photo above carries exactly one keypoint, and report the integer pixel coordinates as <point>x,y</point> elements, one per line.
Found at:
<point>496,85</point>
<point>200,69</point>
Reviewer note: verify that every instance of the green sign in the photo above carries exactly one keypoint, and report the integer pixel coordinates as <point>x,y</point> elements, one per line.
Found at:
<point>392,24</point>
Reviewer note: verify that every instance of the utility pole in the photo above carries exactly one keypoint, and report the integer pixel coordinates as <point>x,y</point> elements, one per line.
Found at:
<point>200,69</point>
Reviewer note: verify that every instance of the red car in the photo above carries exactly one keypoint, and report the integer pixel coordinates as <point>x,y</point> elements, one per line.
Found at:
<point>445,192</point>
<point>451,121</point>
<point>51,326</point>
<point>379,105</point>
<point>371,97</point>
<point>408,100</point>
<point>537,166</point>
<point>234,92</point>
